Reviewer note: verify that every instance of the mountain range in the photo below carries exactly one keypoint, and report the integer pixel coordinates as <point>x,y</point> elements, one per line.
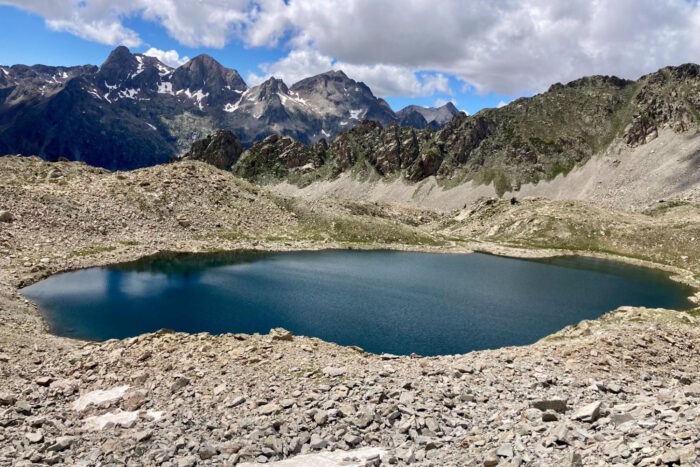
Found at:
<point>530,140</point>
<point>134,111</point>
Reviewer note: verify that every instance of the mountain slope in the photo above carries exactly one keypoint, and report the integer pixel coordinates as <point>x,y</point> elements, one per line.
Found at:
<point>528,141</point>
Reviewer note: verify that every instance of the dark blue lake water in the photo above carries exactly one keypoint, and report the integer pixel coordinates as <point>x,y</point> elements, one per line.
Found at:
<point>382,301</point>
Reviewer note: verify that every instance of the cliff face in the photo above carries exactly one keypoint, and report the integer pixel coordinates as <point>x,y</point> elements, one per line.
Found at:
<point>529,140</point>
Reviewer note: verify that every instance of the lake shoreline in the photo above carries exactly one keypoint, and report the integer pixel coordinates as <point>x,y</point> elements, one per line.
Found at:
<point>311,292</point>
<point>679,275</point>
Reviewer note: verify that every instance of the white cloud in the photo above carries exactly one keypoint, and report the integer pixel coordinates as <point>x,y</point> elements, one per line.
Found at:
<point>501,104</point>
<point>507,47</point>
<point>210,23</point>
<point>95,21</point>
<point>169,57</point>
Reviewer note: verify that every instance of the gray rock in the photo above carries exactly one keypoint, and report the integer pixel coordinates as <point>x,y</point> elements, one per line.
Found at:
<point>364,419</point>
<point>614,388</point>
<point>557,405</point>
<point>269,409</point>
<point>620,418</point>
<point>505,450</point>
<point>587,413</point>
<point>207,451</point>
<point>321,418</point>
<point>188,461</point>
<point>317,442</point>
<point>62,443</point>
<point>692,390</point>
<point>351,439</point>
<point>44,381</point>
<point>179,383</point>
<point>143,435</point>
<point>6,216</point>
<point>560,433</point>
<point>671,456</point>
<point>35,436</point>
<point>332,372</point>
<point>7,399</point>
<point>238,400</point>
<point>281,334</point>
<point>491,460</point>
<point>432,425</point>
<point>23,407</point>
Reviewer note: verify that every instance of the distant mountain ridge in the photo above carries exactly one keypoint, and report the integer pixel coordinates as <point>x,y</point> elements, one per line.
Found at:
<point>420,117</point>
<point>135,111</point>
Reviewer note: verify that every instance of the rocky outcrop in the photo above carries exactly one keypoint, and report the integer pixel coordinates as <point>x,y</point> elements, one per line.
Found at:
<point>221,149</point>
<point>668,98</point>
<point>280,157</point>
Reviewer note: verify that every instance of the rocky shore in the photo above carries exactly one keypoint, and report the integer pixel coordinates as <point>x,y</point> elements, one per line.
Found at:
<point>620,390</point>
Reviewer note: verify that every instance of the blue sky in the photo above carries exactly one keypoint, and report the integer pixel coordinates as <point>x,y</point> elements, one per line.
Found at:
<point>477,53</point>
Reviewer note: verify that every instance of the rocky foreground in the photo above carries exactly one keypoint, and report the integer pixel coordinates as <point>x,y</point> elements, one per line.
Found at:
<point>620,390</point>
<point>624,390</point>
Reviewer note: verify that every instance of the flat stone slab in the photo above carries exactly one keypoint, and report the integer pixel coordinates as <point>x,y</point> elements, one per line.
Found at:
<point>354,458</point>
<point>119,417</point>
<point>98,397</point>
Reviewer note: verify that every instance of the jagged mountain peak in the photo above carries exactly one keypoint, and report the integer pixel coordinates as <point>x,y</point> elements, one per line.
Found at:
<point>337,74</point>
<point>205,73</point>
<point>119,56</point>
<point>420,117</point>
<point>326,79</point>
<point>120,64</point>
<point>203,61</point>
<point>273,85</point>
<point>450,107</point>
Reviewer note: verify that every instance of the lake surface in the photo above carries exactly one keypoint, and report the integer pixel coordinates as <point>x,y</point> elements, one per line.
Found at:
<point>382,301</point>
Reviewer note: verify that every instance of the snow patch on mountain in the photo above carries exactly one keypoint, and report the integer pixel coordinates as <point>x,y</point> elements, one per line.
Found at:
<point>357,114</point>
<point>140,68</point>
<point>165,87</point>
<point>197,95</point>
<point>129,93</point>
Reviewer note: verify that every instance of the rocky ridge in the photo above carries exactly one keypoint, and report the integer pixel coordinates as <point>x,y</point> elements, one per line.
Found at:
<point>530,140</point>
<point>620,390</point>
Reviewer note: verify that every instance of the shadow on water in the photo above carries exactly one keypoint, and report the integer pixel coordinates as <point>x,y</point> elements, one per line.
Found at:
<point>184,263</point>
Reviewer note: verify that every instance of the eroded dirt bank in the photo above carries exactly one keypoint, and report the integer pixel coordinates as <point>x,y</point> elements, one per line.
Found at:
<point>624,389</point>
